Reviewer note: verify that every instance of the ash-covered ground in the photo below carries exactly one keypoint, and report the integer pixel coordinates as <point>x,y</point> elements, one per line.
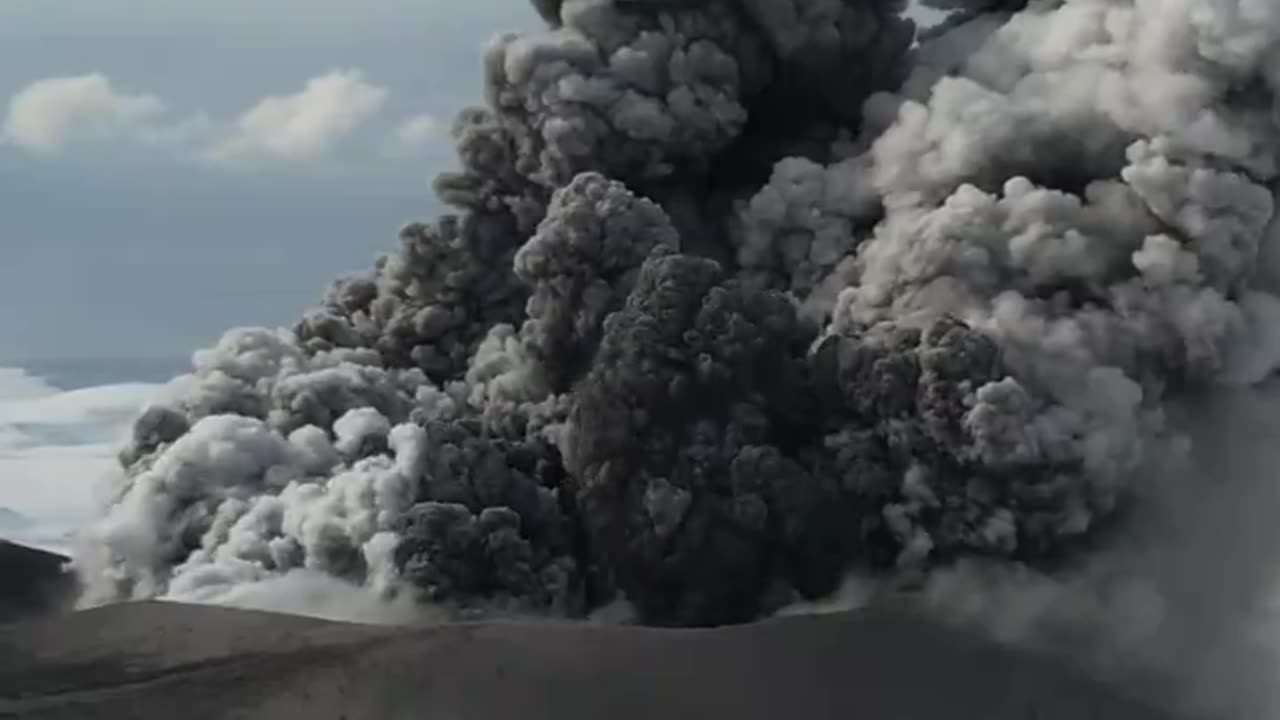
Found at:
<point>160,660</point>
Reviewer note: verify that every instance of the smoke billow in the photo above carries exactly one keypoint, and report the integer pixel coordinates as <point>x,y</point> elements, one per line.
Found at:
<point>741,297</point>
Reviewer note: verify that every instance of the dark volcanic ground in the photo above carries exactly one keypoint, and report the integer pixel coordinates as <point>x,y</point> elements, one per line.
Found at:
<point>34,582</point>
<point>164,660</point>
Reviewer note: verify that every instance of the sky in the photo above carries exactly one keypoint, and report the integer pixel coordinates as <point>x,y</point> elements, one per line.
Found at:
<point>168,169</point>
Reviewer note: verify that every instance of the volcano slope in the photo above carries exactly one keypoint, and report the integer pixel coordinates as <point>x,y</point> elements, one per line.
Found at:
<point>161,660</point>
<point>35,582</point>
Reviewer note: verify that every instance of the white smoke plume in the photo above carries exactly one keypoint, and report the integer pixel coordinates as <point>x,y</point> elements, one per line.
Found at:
<point>310,594</point>
<point>743,297</point>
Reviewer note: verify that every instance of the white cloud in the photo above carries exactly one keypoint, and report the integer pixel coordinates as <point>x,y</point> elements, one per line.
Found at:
<point>96,406</point>
<point>47,115</point>
<point>18,384</point>
<point>305,125</point>
<point>419,130</point>
<point>58,448</point>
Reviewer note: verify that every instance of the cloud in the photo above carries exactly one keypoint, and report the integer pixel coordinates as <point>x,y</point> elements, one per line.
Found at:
<point>411,136</point>
<point>18,384</point>
<point>96,407</point>
<point>58,448</point>
<point>47,115</point>
<point>305,125</point>
<point>419,130</point>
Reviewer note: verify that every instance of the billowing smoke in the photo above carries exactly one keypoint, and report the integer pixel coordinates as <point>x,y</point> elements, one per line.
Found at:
<point>742,296</point>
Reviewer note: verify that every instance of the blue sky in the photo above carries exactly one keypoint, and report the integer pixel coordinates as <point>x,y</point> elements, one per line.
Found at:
<point>169,169</point>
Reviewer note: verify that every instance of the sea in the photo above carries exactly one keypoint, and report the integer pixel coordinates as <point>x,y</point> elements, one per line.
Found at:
<point>62,423</point>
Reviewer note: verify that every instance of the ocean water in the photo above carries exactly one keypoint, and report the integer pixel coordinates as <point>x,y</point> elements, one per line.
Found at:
<point>62,421</point>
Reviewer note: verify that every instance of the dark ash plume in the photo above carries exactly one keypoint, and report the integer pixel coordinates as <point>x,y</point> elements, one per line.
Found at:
<point>671,442</point>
